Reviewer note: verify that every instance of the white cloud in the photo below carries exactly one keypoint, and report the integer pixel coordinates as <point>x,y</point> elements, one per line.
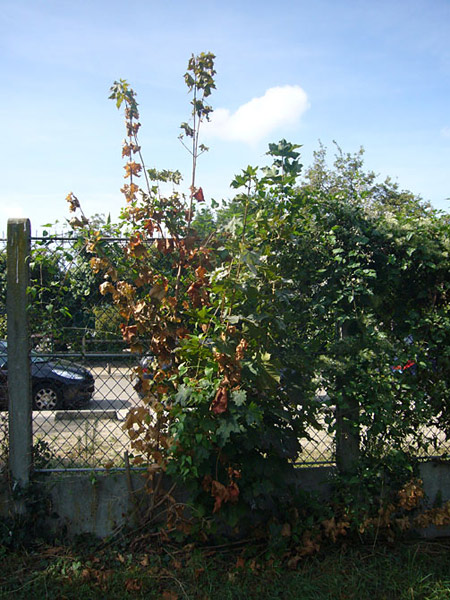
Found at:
<point>255,120</point>
<point>445,132</point>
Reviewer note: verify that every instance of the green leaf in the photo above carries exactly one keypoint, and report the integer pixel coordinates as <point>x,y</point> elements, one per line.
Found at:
<point>239,397</point>
<point>226,428</point>
<point>183,394</point>
<point>209,372</point>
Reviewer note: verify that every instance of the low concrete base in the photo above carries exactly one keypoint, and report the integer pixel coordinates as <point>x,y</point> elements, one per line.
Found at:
<point>102,503</point>
<point>93,503</point>
<point>436,483</point>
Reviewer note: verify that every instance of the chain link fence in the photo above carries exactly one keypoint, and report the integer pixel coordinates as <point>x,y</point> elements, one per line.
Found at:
<point>78,423</point>
<point>82,373</point>
<point>83,376</point>
<point>3,414</point>
<point>75,329</point>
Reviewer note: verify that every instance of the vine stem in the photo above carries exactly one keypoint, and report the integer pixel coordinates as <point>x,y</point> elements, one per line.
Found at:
<point>239,264</point>
<point>141,158</point>
<point>194,157</point>
<point>134,138</point>
<point>194,152</point>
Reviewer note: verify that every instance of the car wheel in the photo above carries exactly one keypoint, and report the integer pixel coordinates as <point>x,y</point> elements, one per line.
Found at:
<point>46,396</point>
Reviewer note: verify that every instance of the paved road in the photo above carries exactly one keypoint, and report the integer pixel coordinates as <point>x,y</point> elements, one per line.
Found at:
<point>94,435</point>
<point>113,390</point>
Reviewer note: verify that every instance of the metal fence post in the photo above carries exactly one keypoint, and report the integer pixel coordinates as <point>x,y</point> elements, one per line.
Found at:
<point>19,377</point>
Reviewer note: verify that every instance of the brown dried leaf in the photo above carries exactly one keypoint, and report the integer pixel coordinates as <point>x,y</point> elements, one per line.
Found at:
<point>129,333</point>
<point>158,292</point>
<point>199,195</point>
<point>73,202</point>
<point>133,585</point>
<point>132,168</point>
<point>220,403</point>
<point>106,287</point>
<point>169,595</point>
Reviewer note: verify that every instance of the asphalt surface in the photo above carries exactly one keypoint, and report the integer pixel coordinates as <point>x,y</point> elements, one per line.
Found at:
<point>94,435</point>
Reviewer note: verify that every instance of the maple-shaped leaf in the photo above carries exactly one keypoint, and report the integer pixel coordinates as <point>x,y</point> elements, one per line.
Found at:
<point>293,562</point>
<point>126,149</point>
<point>310,545</point>
<point>222,493</point>
<point>132,168</point>
<point>199,195</point>
<point>233,492</point>
<point>183,394</point>
<point>129,148</point>
<point>239,397</point>
<point>129,333</point>
<point>133,585</point>
<point>220,403</point>
<point>226,428</point>
<point>200,272</point>
<point>240,349</point>
<point>106,287</point>
<point>136,247</point>
<point>132,129</point>
<point>73,202</point>
<point>130,191</point>
<point>149,226</point>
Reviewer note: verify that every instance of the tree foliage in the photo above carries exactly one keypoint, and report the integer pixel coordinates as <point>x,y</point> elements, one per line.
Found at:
<point>326,281</point>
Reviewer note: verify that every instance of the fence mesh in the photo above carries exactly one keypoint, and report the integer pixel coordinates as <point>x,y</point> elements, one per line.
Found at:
<point>83,375</point>
<point>3,414</point>
<point>74,327</point>
<point>82,372</point>
<point>82,427</point>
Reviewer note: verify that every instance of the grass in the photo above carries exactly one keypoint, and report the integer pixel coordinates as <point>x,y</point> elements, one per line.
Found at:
<point>413,571</point>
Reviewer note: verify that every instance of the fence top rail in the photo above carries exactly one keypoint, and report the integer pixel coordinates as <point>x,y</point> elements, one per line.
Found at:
<point>72,354</point>
<point>60,238</point>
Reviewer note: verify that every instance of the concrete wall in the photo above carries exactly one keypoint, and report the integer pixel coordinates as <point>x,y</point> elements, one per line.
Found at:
<point>99,504</point>
<point>436,482</point>
<point>102,503</point>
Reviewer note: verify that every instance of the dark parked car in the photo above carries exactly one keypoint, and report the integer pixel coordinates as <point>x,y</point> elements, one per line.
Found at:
<point>55,383</point>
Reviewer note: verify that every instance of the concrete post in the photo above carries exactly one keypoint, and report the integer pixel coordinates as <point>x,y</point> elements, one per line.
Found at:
<point>19,376</point>
<point>347,425</point>
<point>347,436</point>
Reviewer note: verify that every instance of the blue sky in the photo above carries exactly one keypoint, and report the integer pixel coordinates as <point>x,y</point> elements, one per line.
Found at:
<point>360,72</point>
